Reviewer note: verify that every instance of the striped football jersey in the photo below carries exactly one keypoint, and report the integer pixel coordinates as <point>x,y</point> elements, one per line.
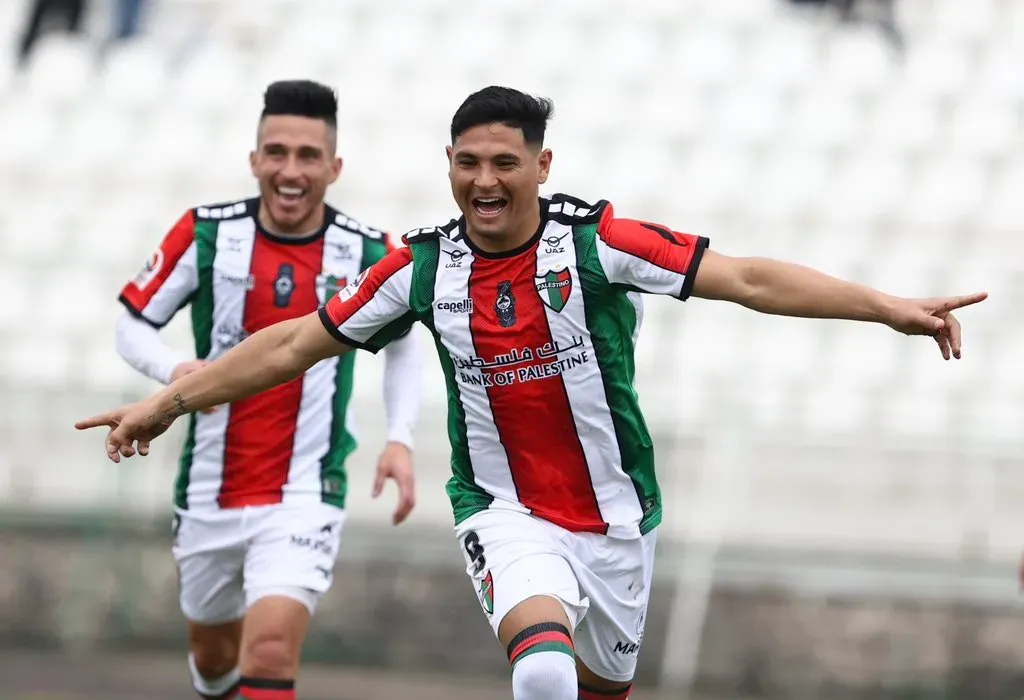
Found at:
<point>288,444</point>
<point>537,347</point>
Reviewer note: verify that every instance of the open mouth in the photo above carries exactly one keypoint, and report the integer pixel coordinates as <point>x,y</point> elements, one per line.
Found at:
<point>290,194</point>
<point>489,206</point>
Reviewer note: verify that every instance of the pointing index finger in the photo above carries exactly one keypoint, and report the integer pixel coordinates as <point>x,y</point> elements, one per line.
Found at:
<point>103,420</point>
<point>962,301</point>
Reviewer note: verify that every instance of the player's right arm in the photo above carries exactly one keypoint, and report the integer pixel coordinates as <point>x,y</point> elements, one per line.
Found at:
<point>151,299</point>
<point>370,312</point>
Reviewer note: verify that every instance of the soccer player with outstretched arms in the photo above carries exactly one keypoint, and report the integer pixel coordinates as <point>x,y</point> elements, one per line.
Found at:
<point>534,304</point>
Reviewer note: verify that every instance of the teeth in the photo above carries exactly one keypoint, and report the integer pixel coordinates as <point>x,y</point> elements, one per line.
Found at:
<point>290,191</point>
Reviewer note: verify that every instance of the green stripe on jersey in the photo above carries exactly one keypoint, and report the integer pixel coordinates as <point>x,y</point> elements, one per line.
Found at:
<point>333,477</point>
<point>466,497</point>
<point>373,250</point>
<point>611,320</point>
<point>202,330</point>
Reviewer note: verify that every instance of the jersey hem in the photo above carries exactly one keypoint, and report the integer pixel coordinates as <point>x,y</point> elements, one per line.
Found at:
<point>652,521</point>
<point>338,501</point>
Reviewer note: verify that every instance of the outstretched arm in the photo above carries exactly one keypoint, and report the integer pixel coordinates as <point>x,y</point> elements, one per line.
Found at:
<point>786,289</point>
<point>270,357</point>
<point>654,259</point>
<point>265,359</point>
<point>369,313</point>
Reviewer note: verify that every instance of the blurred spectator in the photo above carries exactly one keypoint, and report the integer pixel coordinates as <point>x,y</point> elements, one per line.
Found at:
<point>127,18</point>
<point>878,12</point>
<point>68,12</point>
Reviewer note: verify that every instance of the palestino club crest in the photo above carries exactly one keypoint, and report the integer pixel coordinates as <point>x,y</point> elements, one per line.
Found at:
<point>487,593</point>
<point>554,288</point>
<point>329,285</point>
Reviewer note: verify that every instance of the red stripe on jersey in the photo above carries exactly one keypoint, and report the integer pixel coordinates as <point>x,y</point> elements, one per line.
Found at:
<point>369,281</point>
<point>261,429</point>
<point>657,244</point>
<point>141,290</point>
<point>532,414</point>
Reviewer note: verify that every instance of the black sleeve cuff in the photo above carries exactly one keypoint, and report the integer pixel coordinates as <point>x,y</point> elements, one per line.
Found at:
<point>691,274</point>
<point>341,337</point>
<point>138,314</point>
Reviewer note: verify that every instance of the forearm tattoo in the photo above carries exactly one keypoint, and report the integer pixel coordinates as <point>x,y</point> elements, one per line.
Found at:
<point>168,416</point>
<point>179,401</point>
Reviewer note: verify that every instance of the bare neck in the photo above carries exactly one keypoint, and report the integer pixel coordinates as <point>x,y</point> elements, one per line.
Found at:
<point>516,238</point>
<point>311,224</point>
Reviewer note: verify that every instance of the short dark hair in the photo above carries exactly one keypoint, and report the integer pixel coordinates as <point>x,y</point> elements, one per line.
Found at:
<point>506,106</point>
<point>301,98</point>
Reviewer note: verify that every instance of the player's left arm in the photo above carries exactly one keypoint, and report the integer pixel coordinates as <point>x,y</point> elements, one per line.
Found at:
<point>655,259</point>
<point>787,289</point>
<point>402,378</point>
<point>403,368</point>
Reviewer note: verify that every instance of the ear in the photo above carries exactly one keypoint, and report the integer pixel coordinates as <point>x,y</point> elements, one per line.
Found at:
<point>336,166</point>
<point>252,163</point>
<point>543,166</point>
<point>448,153</point>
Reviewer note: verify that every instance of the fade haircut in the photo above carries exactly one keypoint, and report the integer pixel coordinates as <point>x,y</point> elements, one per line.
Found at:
<point>507,106</point>
<point>303,98</point>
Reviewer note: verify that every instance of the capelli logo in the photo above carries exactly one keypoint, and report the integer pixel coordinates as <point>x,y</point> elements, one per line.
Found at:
<point>462,306</point>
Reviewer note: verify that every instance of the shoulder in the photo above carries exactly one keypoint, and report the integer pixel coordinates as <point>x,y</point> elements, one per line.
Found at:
<point>222,211</point>
<point>431,233</point>
<point>573,211</point>
<point>348,223</point>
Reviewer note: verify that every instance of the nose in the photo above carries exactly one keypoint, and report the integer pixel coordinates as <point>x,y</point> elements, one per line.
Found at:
<point>290,170</point>
<point>486,178</point>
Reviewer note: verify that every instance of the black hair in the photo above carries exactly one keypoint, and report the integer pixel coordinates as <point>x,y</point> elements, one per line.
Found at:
<point>506,106</point>
<point>301,98</point>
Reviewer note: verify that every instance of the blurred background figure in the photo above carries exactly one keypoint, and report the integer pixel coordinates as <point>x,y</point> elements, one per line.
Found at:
<point>45,16</point>
<point>881,13</point>
<point>843,511</point>
<point>127,19</point>
<point>67,14</point>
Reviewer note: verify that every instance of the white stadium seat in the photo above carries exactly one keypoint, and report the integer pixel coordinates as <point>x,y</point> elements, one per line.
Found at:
<point>61,70</point>
<point>774,132</point>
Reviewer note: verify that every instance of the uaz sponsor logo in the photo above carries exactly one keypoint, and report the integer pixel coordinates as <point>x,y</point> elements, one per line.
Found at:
<point>462,306</point>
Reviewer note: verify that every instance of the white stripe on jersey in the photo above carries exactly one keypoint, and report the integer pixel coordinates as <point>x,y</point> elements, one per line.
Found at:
<point>342,257</point>
<point>231,267</point>
<point>491,470</point>
<point>183,280</point>
<point>312,433</point>
<point>616,496</point>
<point>388,304</point>
<point>621,267</point>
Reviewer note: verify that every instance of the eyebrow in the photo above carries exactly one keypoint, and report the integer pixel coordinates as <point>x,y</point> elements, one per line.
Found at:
<point>469,155</point>
<point>305,148</point>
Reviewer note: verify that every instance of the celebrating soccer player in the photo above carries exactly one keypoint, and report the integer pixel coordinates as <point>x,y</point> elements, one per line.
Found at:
<point>535,305</point>
<point>260,494</point>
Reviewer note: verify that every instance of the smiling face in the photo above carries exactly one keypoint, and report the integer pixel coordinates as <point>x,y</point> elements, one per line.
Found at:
<point>496,177</point>
<point>294,163</point>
